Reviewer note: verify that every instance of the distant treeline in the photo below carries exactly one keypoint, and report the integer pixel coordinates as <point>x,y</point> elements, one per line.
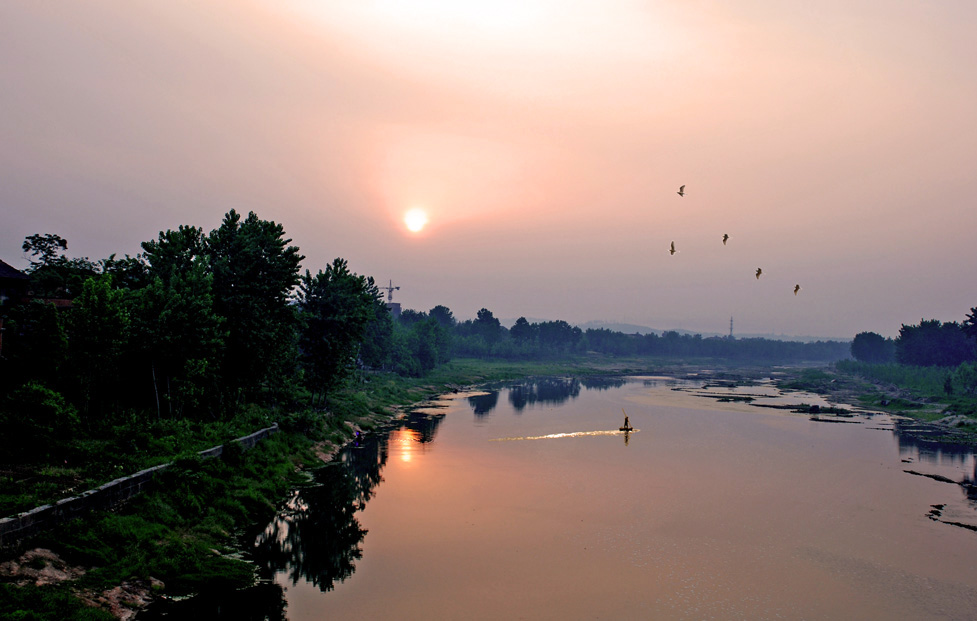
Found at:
<point>198,325</point>
<point>485,337</point>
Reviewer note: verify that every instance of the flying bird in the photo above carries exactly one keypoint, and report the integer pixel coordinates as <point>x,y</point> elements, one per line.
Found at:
<point>758,272</point>
<point>725,237</point>
<point>796,289</point>
<point>672,250</point>
<point>681,191</point>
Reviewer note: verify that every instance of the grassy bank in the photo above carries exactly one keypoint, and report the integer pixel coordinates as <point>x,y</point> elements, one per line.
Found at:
<point>924,393</point>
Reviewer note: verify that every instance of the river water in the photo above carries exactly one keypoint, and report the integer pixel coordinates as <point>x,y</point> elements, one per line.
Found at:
<point>526,501</point>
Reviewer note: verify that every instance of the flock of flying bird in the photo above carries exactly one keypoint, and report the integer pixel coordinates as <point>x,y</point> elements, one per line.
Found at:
<point>672,250</point>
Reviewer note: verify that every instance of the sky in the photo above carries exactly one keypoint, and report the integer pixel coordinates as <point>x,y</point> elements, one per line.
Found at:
<point>834,142</point>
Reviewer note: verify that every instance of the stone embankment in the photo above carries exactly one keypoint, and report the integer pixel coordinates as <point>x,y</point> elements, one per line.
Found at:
<point>112,494</point>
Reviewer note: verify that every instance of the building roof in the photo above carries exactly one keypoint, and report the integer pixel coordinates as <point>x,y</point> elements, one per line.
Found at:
<point>10,273</point>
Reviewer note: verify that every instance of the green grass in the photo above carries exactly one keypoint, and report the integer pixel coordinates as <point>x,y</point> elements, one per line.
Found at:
<point>919,392</point>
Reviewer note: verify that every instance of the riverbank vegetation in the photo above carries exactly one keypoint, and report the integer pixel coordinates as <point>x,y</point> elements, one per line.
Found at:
<point>929,371</point>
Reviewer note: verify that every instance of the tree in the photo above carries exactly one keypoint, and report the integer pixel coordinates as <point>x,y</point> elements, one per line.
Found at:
<point>127,273</point>
<point>487,326</point>
<point>377,346</point>
<point>873,348</point>
<point>255,271</point>
<point>429,344</point>
<point>179,338</point>
<point>97,336</point>
<point>409,316</point>
<point>52,274</point>
<point>969,326</point>
<point>523,332</point>
<point>558,335</point>
<point>335,307</point>
<point>44,249</point>
<point>443,315</point>
<point>932,343</point>
<point>35,346</point>
<point>175,250</point>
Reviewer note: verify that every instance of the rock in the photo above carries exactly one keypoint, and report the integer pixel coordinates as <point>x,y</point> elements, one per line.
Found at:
<point>39,566</point>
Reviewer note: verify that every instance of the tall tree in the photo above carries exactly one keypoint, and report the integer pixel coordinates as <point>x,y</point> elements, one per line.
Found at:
<point>932,343</point>
<point>52,274</point>
<point>335,306</point>
<point>175,250</point>
<point>443,315</point>
<point>128,272</point>
<point>179,337</point>
<point>255,270</point>
<point>377,346</point>
<point>559,335</point>
<point>488,326</point>
<point>873,348</point>
<point>969,326</point>
<point>523,331</point>
<point>97,336</point>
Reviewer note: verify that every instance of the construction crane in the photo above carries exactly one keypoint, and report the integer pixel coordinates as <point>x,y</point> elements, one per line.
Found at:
<point>390,291</point>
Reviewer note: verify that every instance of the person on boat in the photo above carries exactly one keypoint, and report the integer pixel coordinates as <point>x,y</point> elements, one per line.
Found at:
<point>627,425</point>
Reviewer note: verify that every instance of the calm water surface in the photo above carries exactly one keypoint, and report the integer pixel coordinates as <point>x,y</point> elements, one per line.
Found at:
<point>527,502</point>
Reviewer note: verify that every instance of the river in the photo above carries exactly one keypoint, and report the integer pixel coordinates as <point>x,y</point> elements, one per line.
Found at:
<point>526,501</point>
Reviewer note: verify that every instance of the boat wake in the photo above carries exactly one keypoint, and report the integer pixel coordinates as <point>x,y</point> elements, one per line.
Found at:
<point>572,434</point>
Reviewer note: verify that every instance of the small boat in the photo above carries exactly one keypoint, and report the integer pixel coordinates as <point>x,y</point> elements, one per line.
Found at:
<point>627,425</point>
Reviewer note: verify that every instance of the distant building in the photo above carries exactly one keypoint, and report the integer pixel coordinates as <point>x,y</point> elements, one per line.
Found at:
<point>394,308</point>
<point>14,284</point>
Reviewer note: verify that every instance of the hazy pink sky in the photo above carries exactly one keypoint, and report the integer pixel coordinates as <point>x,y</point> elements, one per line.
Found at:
<point>835,142</point>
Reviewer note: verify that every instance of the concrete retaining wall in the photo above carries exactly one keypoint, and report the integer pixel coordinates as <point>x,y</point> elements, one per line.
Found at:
<point>107,496</point>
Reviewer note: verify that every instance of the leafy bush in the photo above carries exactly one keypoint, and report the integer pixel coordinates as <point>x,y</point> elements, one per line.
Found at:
<point>34,419</point>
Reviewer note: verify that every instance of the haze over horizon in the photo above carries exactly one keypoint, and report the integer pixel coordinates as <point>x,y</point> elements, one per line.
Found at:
<point>545,142</point>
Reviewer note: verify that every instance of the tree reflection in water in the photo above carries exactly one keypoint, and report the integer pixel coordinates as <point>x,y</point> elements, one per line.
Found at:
<point>602,383</point>
<point>553,390</point>
<point>263,602</point>
<point>316,536</point>
<point>484,403</point>
<point>539,391</point>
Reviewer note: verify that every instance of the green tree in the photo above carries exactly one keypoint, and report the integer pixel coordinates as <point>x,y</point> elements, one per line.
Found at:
<point>969,326</point>
<point>523,332</point>
<point>932,343</point>
<point>487,326</point>
<point>98,330</point>
<point>378,339</point>
<point>180,338</point>
<point>35,346</point>
<point>335,307</point>
<point>52,274</point>
<point>558,335</point>
<point>873,348</point>
<point>444,316</point>
<point>430,344</point>
<point>409,316</point>
<point>255,270</point>
<point>175,250</point>
<point>128,272</point>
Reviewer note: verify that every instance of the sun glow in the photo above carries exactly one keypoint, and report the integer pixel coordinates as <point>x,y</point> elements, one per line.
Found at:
<point>415,219</point>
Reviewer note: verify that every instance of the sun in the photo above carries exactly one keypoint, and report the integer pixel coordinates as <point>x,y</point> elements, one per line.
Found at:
<point>415,219</point>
